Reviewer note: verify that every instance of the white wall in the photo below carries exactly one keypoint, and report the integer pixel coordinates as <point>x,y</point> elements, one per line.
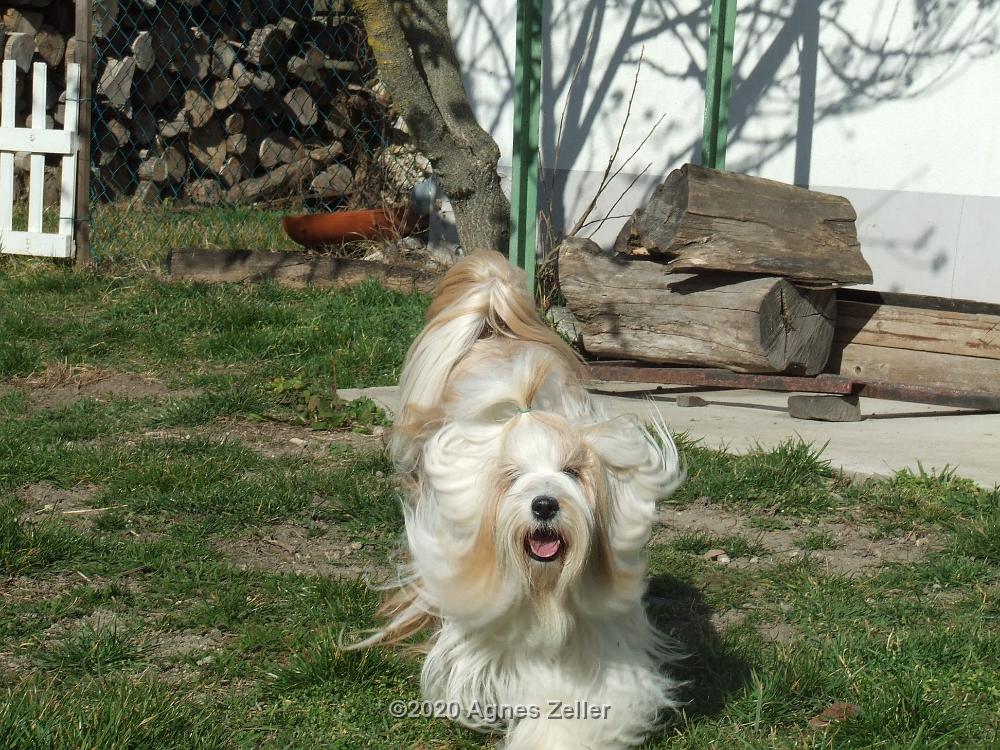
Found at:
<point>893,103</point>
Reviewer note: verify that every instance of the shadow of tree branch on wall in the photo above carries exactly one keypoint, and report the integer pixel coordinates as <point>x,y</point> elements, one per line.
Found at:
<point>795,65</point>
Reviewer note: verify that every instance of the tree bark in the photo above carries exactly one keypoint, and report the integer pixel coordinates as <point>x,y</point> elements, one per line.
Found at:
<point>637,309</point>
<point>416,58</point>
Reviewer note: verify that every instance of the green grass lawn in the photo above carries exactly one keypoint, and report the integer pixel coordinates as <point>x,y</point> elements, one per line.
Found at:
<point>180,547</point>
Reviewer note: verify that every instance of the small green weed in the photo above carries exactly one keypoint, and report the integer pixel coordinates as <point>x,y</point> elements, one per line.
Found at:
<point>318,406</point>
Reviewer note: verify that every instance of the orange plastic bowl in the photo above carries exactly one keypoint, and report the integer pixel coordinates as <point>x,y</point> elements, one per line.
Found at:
<point>338,227</point>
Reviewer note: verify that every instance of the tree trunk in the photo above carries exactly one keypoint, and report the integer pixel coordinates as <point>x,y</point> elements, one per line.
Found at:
<point>416,58</point>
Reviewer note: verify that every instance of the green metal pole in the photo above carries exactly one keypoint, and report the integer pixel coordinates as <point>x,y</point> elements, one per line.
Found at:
<point>527,98</point>
<point>719,84</point>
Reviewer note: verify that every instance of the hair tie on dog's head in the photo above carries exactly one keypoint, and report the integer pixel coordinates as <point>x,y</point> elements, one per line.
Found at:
<point>524,410</point>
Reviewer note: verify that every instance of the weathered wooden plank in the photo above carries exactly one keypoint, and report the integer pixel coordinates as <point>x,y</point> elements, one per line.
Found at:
<point>292,269</point>
<point>910,367</point>
<point>919,301</point>
<point>966,334</point>
<point>636,309</point>
<point>703,219</point>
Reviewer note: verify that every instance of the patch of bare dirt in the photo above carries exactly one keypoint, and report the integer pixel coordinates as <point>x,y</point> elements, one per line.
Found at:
<point>60,385</point>
<point>23,589</point>
<point>292,549</point>
<point>855,547</point>
<point>174,645</point>
<point>71,506</point>
<point>274,439</point>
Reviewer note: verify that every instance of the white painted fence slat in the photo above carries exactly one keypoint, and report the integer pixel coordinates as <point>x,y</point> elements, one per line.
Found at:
<point>7,158</point>
<point>38,243</point>
<point>36,180</point>
<point>38,141</point>
<point>71,120</point>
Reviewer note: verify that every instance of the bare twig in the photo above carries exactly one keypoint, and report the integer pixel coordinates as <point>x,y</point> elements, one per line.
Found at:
<point>614,156</point>
<point>619,200</point>
<point>606,218</point>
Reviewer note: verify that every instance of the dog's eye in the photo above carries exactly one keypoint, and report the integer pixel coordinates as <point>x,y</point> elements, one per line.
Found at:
<point>571,472</point>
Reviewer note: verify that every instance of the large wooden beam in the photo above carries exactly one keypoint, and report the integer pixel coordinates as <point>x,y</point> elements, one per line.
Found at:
<point>922,330</point>
<point>914,367</point>
<point>292,269</point>
<point>637,309</point>
<point>702,219</point>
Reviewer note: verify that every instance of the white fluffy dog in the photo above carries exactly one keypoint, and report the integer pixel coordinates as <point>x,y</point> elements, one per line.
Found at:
<point>527,513</point>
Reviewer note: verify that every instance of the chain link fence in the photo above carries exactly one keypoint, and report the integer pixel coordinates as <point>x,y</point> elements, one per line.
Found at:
<point>214,118</point>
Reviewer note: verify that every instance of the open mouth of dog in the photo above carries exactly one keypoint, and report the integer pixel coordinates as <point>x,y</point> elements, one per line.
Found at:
<point>544,545</point>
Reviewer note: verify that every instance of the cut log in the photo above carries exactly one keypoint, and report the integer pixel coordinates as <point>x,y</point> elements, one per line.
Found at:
<point>299,67</point>
<point>50,46</point>
<point>237,144</point>
<point>266,46</point>
<point>233,171</point>
<point>922,330</point>
<point>293,269</point>
<point>277,149</point>
<point>242,75</point>
<point>326,154</point>
<point>105,12</point>
<point>265,81</point>
<point>153,169</point>
<point>335,180</point>
<point>204,192</point>
<point>223,58</point>
<point>118,127</point>
<point>284,179</point>
<point>198,109</point>
<point>20,48</point>
<point>225,93</point>
<point>207,146</point>
<point>234,123</point>
<point>178,126</point>
<point>22,21</point>
<point>143,51</point>
<point>302,106</point>
<point>909,367</point>
<point>116,83</point>
<point>701,219</point>
<point>176,161</point>
<point>48,125</point>
<point>636,309</point>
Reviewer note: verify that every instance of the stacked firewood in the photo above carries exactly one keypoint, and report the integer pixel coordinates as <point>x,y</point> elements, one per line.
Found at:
<point>38,31</point>
<point>234,101</point>
<point>718,270</point>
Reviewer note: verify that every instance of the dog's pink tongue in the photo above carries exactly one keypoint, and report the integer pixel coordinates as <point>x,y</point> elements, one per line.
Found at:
<point>545,547</point>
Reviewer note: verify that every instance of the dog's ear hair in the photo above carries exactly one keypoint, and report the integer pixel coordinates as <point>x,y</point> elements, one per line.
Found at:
<point>641,466</point>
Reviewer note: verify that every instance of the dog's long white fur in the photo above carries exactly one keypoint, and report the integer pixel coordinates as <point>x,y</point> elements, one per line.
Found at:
<point>494,415</point>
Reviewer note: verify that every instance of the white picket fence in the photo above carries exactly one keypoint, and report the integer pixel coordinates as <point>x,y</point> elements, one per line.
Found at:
<point>38,141</point>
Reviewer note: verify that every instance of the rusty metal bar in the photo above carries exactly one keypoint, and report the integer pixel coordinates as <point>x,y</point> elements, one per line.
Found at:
<point>919,394</point>
<point>836,384</point>
<point>713,378</point>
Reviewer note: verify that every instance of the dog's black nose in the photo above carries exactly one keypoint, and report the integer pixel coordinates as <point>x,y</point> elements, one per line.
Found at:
<point>544,507</point>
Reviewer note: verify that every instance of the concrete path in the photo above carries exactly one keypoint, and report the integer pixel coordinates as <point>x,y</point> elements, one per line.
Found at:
<point>893,435</point>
